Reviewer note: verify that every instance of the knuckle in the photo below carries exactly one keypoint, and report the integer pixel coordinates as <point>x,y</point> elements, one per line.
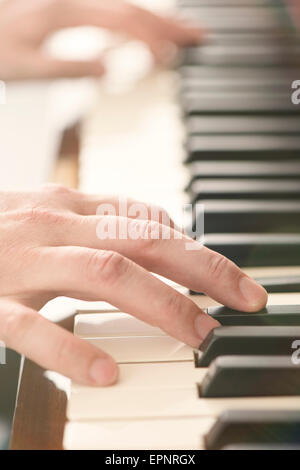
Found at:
<point>217,266</point>
<point>173,308</point>
<point>106,266</point>
<point>57,189</point>
<point>150,235</point>
<point>63,197</point>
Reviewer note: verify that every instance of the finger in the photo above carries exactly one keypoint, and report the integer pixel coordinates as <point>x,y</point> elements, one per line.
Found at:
<point>102,275</point>
<point>52,347</point>
<point>124,207</point>
<point>127,18</point>
<point>176,30</point>
<point>170,254</point>
<point>48,67</point>
<point>91,204</point>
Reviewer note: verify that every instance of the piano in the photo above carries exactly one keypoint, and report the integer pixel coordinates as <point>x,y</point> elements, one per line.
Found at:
<point>219,130</point>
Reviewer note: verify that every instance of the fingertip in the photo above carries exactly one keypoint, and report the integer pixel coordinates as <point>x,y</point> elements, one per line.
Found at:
<point>198,35</point>
<point>253,293</point>
<point>104,372</point>
<point>194,34</point>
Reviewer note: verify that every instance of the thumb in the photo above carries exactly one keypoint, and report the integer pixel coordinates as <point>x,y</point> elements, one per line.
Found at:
<point>54,348</point>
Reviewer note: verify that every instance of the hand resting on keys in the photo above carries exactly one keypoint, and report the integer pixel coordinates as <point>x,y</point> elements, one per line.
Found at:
<point>50,246</point>
<point>25,25</point>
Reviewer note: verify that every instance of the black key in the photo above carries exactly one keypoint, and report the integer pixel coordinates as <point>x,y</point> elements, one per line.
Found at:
<point>198,125</point>
<point>201,170</point>
<point>243,147</point>
<point>251,376</point>
<point>257,249</point>
<point>246,55</point>
<point>252,427</point>
<point>247,341</point>
<point>243,189</point>
<point>257,73</point>
<point>269,310</point>
<point>247,216</point>
<point>238,103</point>
<point>273,285</point>
<point>282,315</point>
<point>232,85</point>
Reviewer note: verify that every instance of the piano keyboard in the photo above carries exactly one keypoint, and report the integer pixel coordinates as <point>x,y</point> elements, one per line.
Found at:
<point>227,113</point>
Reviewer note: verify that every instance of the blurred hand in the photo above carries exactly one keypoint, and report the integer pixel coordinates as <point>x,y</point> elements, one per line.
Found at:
<point>49,247</point>
<point>25,24</point>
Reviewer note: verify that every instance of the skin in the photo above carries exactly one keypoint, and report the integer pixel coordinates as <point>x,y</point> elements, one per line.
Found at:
<point>26,24</point>
<point>49,247</point>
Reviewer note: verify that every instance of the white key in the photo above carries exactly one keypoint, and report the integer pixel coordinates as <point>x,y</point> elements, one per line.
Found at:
<point>95,307</point>
<point>181,289</point>
<point>132,118</point>
<point>203,301</point>
<point>90,311</point>
<point>133,377</point>
<point>148,376</point>
<point>112,325</point>
<point>177,402</point>
<point>135,349</point>
<point>160,434</point>
<point>284,299</point>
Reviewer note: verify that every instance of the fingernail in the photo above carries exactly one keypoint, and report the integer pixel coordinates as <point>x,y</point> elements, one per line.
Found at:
<point>104,372</point>
<point>204,324</point>
<point>254,294</point>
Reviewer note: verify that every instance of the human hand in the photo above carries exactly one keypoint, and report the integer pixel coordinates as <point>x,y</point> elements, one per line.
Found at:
<point>26,24</point>
<point>50,246</point>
